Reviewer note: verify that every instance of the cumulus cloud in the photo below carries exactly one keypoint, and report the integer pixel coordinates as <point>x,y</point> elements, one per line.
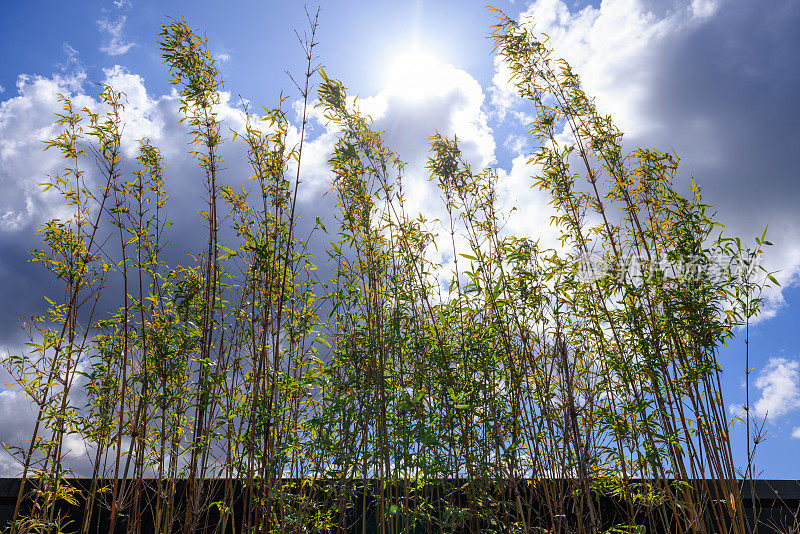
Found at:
<point>779,383</point>
<point>526,208</point>
<point>418,102</point>
<point>18,414</point>
<point>27,119</point>
<point>700,77</point>
<point>450,102</point>
<point>117,44</point>
<point>456,106</point>
<point>615,47</point>
<point>440,98</point>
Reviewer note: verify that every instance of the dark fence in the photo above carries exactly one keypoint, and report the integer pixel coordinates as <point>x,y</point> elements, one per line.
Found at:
<point>770,506</point>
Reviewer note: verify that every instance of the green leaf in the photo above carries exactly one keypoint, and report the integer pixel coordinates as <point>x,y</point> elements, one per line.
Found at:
<point>229,252</point>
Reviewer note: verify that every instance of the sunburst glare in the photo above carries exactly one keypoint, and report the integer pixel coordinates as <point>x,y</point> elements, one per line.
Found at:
<point>416,73</point>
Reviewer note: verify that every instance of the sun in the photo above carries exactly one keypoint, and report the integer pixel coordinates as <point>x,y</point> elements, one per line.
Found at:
<point>415,73</point>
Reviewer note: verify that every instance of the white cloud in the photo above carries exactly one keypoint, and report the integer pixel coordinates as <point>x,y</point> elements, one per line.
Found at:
<point>222,57</point>
<point>672,76</point>
<point>612,47</point>
<point>18,414</point>
<point>796,432</point>
<point>451,103</point>
<point>454,107</point>
<point>117,44</point>
<point>72,56</point>
<point>25,121</point>
<point>72,73</point>
<point>531,211</point>
<point>517,144</point>
<point>704,8</point>
<point>779,383</point>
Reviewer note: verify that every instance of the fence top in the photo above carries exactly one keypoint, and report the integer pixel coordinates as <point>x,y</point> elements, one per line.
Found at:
<point>761,489</point>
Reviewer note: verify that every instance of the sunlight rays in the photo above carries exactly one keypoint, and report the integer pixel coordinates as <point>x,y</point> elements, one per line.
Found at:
<point>416,73</point>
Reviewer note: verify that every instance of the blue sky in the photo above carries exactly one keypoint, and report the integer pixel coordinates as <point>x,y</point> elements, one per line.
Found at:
<point>714,80</point>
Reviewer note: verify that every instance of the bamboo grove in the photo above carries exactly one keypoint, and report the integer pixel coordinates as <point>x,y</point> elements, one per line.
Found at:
<point>515,395</point>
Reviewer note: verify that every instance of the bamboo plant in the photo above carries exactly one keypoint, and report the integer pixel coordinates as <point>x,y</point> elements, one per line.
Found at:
<point>501,390</point>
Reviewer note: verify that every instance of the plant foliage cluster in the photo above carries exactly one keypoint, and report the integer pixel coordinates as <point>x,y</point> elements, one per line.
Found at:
<point>515,396</point>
